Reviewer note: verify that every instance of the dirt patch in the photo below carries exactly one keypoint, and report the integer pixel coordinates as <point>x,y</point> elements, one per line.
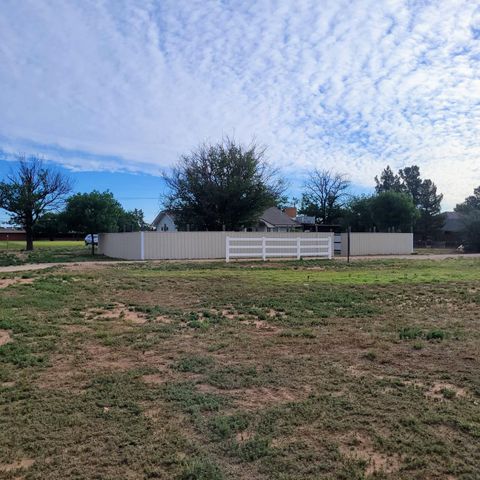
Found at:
<point>118,312</point>
<point>155,379</point>
<point>7,282</point>
<point>72,371</point>
<point>442,391</point>
<point>359,447</point>
<point>243,437</point>
<point>75,328</point>
<point>262,326</point>
<point>163,319</point>
<point>4,337</point>
<point>24,463</point>
<point>260,397</point>
<point>275,313</point>
<point>230,314</point>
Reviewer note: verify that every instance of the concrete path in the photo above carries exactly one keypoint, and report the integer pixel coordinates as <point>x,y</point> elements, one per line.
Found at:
<point>94,264</point>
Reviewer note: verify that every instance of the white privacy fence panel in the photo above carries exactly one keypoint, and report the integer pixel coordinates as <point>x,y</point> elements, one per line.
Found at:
<point>378,243</point>
<point>271,247</point>
<point>121,245</point>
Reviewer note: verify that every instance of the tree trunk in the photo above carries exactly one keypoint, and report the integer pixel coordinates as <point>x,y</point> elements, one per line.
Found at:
<point>93,244</point>
<point>29,236</point>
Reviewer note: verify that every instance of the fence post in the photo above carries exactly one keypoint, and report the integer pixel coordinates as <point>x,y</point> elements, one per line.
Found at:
<point>349,231</point>
<point>264,248</point>
<point>227,248</point>
<point>330,247</point>
<point>298,248</point>
<point>142,245</point>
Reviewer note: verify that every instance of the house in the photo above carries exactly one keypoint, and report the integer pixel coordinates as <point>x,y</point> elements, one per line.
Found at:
<point>12,234</point>
<point>271,220</point>
<point>274,220</point>
<point>451,232</point>
<point>165,222</point>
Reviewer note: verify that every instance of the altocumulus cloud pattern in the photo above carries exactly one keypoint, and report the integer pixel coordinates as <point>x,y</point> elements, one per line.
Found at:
<point>351,85</point>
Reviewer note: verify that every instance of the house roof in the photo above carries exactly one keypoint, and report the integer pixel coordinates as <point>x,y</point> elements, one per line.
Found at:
<point>11,230</point>
<point>160,216</point>
<point>274,217</point>
<point>453,222</point>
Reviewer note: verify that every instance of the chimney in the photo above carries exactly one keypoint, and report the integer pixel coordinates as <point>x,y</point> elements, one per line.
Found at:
<point>291,212</point>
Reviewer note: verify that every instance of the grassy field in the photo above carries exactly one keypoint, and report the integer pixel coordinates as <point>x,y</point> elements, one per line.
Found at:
<point>45,251</point>
<point>288,371</point>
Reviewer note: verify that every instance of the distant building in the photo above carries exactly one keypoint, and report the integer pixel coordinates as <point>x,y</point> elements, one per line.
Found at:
<point>12,234</point>
<point>165,222</point>
<point>451,232</point>
<point>271,220</point>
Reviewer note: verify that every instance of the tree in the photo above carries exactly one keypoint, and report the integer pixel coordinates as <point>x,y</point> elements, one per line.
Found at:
<point>388,182</point>
<point>324,196</point>
<point>470,210</point>
<point>393,211</point>
<point>411,182</point>
<point>132,221</point>
<point>50,224</point>
<point>471,203</point>
<point>225,185</point>
<point>423,193</point>
<point>91,213</point>
<point>30,192</point>
<point>471,230</point>
<point>430,219</point>
<point>358,214</point>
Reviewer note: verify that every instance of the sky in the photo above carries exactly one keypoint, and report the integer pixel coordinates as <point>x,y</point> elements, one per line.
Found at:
<point>115,91</point>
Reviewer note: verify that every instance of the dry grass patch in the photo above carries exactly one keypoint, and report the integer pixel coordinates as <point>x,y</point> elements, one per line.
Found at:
<point>4,337</point>
<point>358,446</point>
<point>23,464</point>
<point>7,282</point>
<point>117,312</point>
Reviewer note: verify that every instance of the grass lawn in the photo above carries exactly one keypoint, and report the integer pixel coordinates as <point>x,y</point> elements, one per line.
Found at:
<point>289,371</point>
<point>45,251</point>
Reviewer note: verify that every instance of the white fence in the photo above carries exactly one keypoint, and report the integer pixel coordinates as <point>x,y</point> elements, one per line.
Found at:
<point>378,243</point>
<point>203,245</point>
<point>269,247</point>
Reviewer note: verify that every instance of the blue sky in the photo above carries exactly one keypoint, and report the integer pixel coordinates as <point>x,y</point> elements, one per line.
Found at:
<point>114,91</point>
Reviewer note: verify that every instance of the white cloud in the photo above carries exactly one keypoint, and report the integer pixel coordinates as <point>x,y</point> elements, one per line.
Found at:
<point>347,85</point>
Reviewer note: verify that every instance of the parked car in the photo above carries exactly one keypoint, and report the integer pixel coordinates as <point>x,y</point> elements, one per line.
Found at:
<point>89,239</point>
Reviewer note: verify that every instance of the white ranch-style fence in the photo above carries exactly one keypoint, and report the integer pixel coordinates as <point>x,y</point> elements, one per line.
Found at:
<point>274,247</point>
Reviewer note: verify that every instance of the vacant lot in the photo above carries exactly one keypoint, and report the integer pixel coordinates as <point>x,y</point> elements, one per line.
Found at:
<point>12,252</point>
<point>301,370</point>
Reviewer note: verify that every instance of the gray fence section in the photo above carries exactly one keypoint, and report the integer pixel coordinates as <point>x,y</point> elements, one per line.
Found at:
<point>182,245</point>
<point>120,245</point>
<point>378,244</point>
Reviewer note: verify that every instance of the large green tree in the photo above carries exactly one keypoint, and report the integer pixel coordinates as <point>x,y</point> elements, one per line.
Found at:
<point>471,203</point>
<point>385,211</point>
<point>132,221</point>
<point>91,213</point>
<point>470,210</point>
<point>423,193</point>
<point>30,191</point>
<point>358,214</point>
<point>226,185</point>
<point>388,182</point>
<point>324,196</point>
<point>393,211</point>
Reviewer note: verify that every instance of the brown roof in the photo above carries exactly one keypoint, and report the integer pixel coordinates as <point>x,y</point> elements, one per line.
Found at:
<point>274,216</point>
